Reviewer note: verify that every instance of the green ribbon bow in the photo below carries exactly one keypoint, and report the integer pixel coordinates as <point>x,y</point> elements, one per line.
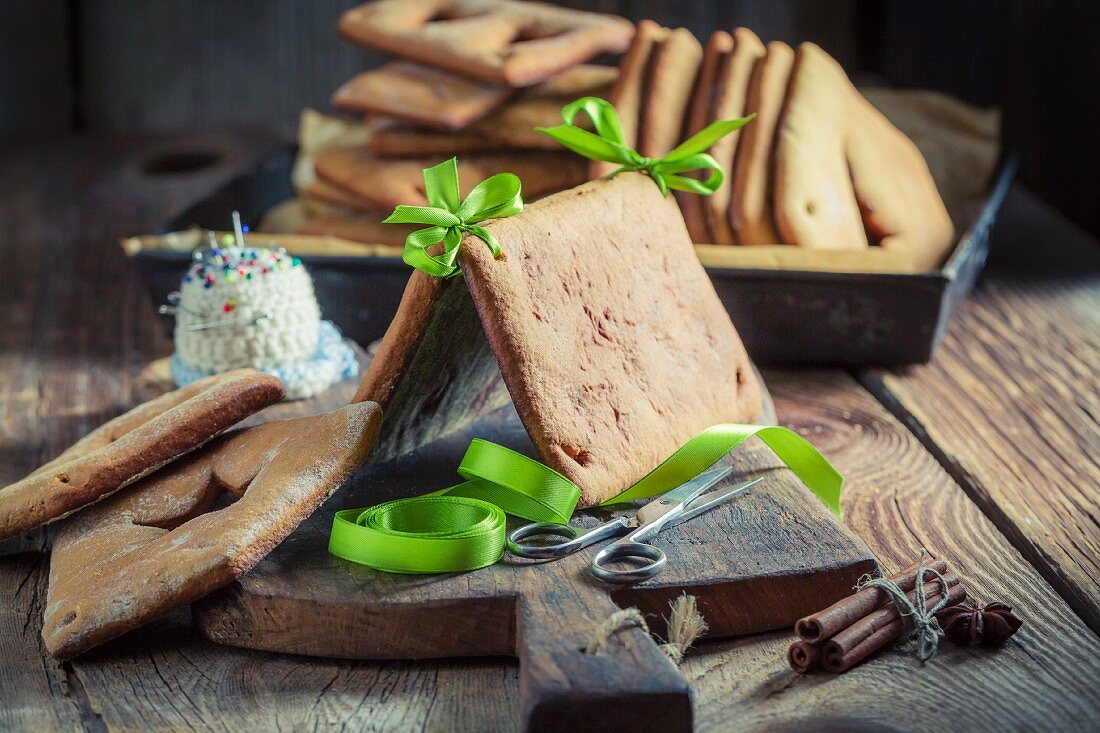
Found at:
<point>608,144</point>
<point>463,527</point>
<point>494,198</point>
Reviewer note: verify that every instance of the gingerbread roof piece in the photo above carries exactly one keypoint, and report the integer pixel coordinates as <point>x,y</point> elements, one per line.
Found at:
<point>434,372</point>
<point>608,333</point>
<point>134,445</point>
<point>503,41</point>
<point>164,542</point>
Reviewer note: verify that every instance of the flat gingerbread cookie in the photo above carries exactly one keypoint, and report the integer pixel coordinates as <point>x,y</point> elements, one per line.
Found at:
<point>815,204</point>
<point>751,210</point>
<point>609,335</point>
<point>846,177</point>
<point>420,94</point>
<point>354,226</point>
<point>392,138</point>
<point>673,69</point>
<point>164,542</point>
<point>502,41</point>
<point>730,102</point>
<point>898,198</point>
<point>321,191</point>
<point>513,125</point>
<point>383,183</point>
<point>628,92</point>
<point>699,116</point>
<point>510,126</point>
<point>134,445</point>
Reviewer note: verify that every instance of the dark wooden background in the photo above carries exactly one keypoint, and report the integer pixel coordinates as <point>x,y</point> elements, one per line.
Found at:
<point>143,65</point>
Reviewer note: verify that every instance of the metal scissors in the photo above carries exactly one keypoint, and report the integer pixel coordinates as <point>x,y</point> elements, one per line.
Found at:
<point>678,505</point>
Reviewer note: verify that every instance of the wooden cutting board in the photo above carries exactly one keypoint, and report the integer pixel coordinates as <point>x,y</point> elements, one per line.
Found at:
<point>756,563</point>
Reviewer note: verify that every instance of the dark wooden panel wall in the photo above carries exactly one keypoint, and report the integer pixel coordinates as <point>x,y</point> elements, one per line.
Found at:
<point>134,65</point>
<point>1036,59</point>
<point>36,67</point>
<point>165,64</point>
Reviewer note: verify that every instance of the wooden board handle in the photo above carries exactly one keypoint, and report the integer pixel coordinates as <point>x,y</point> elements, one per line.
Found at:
<point>629,685</point>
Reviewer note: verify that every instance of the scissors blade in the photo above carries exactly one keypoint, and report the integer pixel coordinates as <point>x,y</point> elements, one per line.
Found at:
<point>680,496</point>
<point>709,501</point>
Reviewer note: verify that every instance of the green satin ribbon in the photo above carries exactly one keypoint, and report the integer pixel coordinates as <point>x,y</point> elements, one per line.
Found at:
<point>494,198</point>
<point>608,144</point>
<point>463,527</point>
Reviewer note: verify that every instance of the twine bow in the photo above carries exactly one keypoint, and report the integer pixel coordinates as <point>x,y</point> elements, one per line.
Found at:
<point>923,631</point>
<point>494,198</point>
<point>608,144</point>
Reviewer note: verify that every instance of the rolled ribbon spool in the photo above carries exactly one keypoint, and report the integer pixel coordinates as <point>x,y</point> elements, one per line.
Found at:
<point>421,535</point>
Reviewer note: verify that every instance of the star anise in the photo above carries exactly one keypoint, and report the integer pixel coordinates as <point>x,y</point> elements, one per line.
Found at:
<point>988,625</point>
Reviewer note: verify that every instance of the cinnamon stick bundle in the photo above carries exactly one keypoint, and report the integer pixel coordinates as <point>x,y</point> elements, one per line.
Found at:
<point>847,632</point>
<point>867,636</point>
<point>845,612</point>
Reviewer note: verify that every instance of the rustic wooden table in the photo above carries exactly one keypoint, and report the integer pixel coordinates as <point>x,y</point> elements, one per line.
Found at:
<point>989,457</point>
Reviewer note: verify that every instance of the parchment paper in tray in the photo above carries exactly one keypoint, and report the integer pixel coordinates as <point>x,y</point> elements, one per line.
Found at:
<point>960,142</point>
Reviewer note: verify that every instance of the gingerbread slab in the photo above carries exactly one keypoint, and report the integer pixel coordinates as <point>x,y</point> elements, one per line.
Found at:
<point>608,333</point>
<point>502,41</point>
<point>163,542</point>
<point>134,445</point>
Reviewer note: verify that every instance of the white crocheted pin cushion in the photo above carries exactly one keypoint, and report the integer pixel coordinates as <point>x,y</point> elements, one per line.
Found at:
<point>255,307</point>
<point>246,306</point>
<point>333,362</point>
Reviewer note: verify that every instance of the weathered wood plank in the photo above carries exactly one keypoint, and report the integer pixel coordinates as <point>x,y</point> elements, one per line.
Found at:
<point>35,691</point>
<point>898,499</point>
<point>1011,402</point>
<point>165,676</point>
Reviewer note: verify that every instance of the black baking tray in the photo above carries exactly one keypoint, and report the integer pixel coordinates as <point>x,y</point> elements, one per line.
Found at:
<point>786,318</point>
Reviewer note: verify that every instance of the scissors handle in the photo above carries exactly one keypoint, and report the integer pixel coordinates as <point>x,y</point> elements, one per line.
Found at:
<point>615,528</point>
<point>628,549</point>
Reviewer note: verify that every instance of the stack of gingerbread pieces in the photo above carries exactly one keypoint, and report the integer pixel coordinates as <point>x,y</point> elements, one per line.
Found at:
<point>819,166</point>
<point>473,78</point>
